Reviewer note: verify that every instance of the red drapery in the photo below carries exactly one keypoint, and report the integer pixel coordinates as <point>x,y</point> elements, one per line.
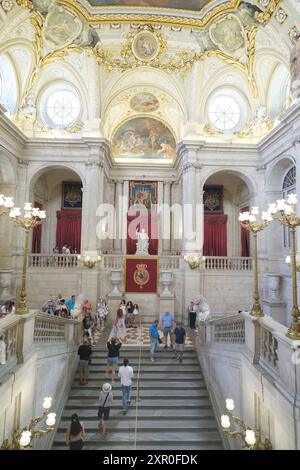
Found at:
<point>215,235</point>
<point>149,222</point>
<point>68,229</point>
<point>37,234</point>
<point>245,238</point>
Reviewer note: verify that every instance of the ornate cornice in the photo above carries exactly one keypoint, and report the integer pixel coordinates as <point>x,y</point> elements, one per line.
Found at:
<point>94,163</point>
<point>266,15</point>
<point>182,18</point>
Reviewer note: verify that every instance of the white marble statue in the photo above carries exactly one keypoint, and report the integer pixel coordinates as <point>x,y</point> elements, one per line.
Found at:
<point>204,308</point>
<point>142,245</point>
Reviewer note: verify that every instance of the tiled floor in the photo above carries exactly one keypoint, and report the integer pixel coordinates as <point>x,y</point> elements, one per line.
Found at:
<point>140,336</point>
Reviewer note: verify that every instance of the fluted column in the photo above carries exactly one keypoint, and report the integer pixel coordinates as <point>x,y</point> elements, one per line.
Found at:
<point>118,216</point>
<point>166,222</point>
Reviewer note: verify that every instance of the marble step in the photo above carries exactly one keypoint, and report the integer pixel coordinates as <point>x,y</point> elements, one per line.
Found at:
<point>91,426</point>
<point>106,445</point>
<point>148,436</point>
<point>80,403</point>
<point>167,378</point>
<point>153,385</point>
<point>145,414</point>
<point>158,394</point>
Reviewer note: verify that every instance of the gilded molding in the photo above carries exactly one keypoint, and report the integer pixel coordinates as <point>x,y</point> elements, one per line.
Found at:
<point>25,4</point>
<point>126,59</point>
<point>266,15</point>
<point>151,18</point>
<point>37,22</point>
<point>247,68</point>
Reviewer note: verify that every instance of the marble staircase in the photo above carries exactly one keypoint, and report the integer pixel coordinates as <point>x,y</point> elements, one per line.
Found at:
<point>173,410</point>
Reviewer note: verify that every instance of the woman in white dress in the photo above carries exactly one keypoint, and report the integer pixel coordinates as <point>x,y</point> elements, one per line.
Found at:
<point>119,329</point>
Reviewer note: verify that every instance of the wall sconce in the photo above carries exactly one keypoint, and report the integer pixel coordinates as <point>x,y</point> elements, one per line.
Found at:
<point>194,260</point>
<point>88,262</point>
<point>250,438</point>
<point>22,438</point>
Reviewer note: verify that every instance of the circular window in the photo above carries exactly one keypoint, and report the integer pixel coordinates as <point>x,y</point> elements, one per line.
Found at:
<point>224,113</point>
<point>63,108</point>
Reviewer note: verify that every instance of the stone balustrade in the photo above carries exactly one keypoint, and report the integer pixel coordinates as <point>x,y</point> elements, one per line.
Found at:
<point>53,261</point>
<point>237,263</point>
<point>261,375</point>
<point>11,330</point>
<point>112,261</point>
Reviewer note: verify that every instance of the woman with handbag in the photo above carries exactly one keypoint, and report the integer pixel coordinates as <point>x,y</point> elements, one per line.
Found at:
<point>105,401</point>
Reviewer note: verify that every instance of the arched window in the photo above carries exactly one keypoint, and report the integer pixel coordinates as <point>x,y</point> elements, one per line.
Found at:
<point>288,187</point>
<point>60,106</point>
<point>8,84</point>
<point>227,110</point>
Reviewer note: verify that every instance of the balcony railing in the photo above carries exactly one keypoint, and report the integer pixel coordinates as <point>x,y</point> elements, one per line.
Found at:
<point>224,263</point>
<point>53,261</point>
<point>114,261</point>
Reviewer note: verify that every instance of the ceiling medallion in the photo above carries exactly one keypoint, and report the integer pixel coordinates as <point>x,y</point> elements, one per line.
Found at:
<point>146,46</point>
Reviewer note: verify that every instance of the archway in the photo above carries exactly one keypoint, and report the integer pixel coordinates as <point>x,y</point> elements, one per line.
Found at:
<point>226,193</point>
<point>57,189</point>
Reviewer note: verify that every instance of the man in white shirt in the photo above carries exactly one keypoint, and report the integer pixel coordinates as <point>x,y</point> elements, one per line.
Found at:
<point>126,375</point>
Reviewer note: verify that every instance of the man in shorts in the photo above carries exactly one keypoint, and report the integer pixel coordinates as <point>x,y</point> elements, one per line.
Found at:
<point>179,334</point>
<point>167,321</point>
<point>105,401</point>
<point>84,352</point>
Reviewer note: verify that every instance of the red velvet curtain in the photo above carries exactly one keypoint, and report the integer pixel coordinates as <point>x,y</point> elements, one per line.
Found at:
<point>37,234</point>
<point>215,235</point>
<point>245,238</point>
<point>68,229</point>
<point>150,222</point>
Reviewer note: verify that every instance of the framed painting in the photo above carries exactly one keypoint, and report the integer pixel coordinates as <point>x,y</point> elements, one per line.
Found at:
<point>142,193</point>
<point>71,195</point>
<point>144,137</point>
<point>213,199</point>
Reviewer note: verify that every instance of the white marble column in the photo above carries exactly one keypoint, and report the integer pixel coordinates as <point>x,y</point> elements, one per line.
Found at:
<point>166,222</point>
<point>124,211</point>
<point>190,197</point>
<point>118,216</point>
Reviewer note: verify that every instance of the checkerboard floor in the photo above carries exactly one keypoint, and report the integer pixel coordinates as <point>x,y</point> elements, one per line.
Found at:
<point>139,336</point>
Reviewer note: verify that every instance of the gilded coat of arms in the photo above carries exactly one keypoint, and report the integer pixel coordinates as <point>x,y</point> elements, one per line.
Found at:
<point>141,275</point>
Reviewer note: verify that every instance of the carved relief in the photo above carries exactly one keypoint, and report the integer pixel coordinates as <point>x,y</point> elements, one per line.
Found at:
<point>228,35</point>
<point>61,28</point>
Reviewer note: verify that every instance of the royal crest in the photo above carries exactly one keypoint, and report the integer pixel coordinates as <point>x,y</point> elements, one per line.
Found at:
<point>141,275</point>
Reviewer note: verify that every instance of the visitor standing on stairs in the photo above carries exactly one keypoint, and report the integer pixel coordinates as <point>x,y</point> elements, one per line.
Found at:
<point>167,321</point>
<point>192,312</point>
<point>179,334</point>
<point>154,339</point>
<point>105,401</point>
<point>84,352</point>
<point>126,376</point>
<point>113,346</point>
<point>75,434</point>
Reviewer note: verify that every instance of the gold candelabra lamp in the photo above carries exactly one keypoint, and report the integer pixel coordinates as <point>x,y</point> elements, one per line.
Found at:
<point>31,218</point>
<point>194,260</point>
<point>6,204</point>
<point>23,438</point>
<point>251,439</point>
<point>249,222</point>
<point>288,218</point>
<point>88,262</point>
